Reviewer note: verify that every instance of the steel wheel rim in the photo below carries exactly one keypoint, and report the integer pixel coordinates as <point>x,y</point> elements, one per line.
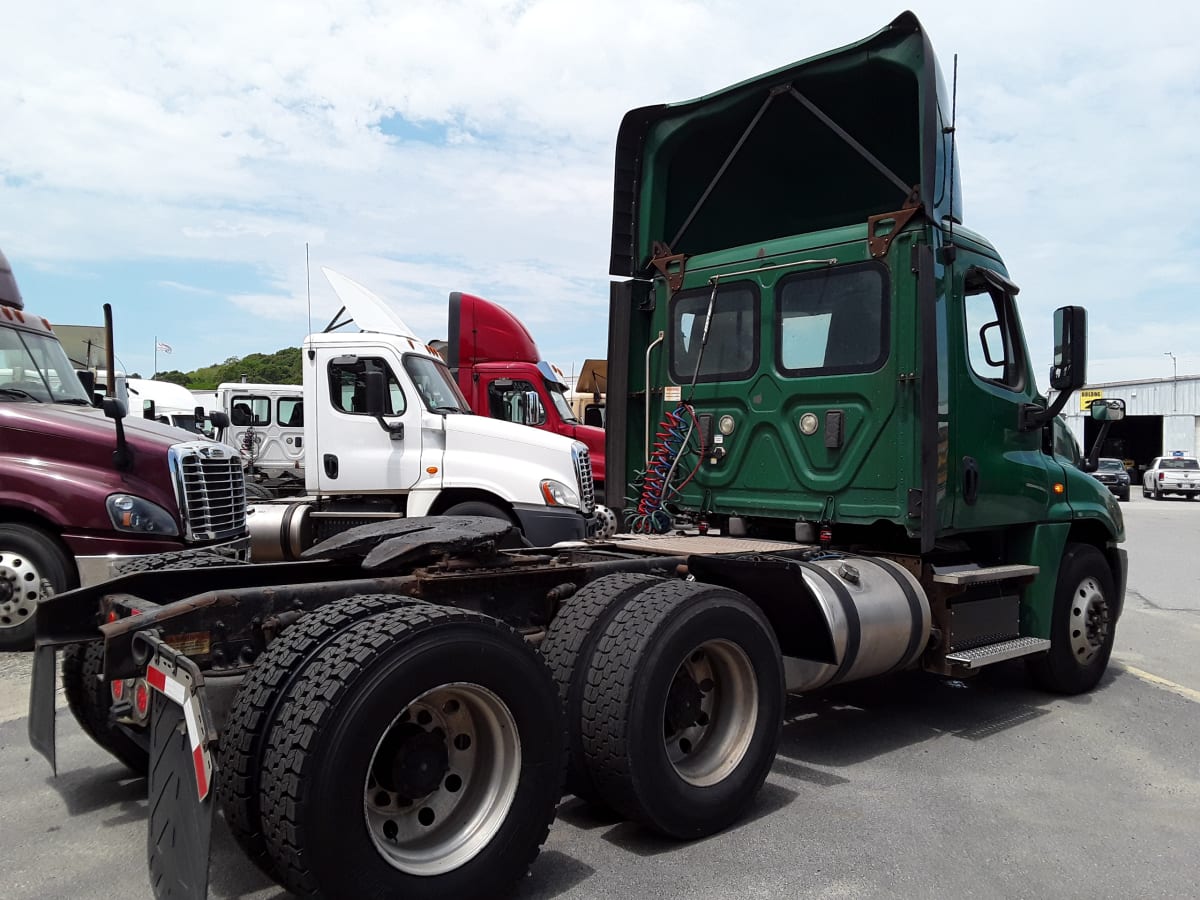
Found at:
<point>20,589</point>
<point>448,826</point>
<point>711,747</point>
<point>1089,621</point>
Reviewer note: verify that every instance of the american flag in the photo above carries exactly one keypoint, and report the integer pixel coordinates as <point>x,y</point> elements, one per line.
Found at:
<point>162,348</point>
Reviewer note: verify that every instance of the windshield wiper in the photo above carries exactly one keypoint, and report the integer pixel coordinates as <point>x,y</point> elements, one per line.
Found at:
<point>453,409</point>
<point>75,401</point>
<point>17,392</point>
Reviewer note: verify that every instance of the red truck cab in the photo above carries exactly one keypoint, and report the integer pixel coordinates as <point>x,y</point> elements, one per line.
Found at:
<point>79,491</point>
<point>498,367</point>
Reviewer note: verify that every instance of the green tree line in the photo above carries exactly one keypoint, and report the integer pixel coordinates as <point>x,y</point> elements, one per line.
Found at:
<point>280,367</point>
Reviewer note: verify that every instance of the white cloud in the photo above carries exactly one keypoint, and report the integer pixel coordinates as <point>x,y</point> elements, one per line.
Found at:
<point>233,133</point>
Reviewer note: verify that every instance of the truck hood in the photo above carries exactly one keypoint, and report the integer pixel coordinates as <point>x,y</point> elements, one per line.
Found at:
<point>885,92</point>
<point>504,433</point>
<point>87,425</point>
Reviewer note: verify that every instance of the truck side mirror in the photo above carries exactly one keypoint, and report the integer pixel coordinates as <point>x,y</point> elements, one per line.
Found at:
<point>148,409</point>
<point>376,385</point>
<point>1107,412</point>
<point>535,413</point>
<point>219,418</point>
<point>122,456</point>
<point>88,380</point>
<point>1069,370</point>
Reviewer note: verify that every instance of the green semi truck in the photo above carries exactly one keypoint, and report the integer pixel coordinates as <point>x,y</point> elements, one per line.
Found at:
<point>832,461</point>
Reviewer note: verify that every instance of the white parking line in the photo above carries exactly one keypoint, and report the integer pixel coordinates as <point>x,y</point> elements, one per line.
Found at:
<point>1185,692</point>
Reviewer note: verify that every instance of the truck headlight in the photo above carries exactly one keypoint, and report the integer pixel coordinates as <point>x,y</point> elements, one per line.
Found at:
<point>130,513</point>
<point>556,493</point>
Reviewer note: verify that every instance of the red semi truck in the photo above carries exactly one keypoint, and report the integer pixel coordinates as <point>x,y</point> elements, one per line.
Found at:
<point>498,367</point>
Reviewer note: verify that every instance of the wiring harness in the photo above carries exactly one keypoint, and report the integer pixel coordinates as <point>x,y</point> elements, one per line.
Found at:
<point>655,487</point>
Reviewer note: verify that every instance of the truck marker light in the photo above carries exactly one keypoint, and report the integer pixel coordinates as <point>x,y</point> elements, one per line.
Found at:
<point>1059,488</point>
<point>431,470</point>
<point>20,315</point>
<point>112,616</point>
<point>141,697</point>
<point>808,424</point>
<point>726,425</point>
<point>8,312</point>
<point>117,689</point>
<point>47,324</point>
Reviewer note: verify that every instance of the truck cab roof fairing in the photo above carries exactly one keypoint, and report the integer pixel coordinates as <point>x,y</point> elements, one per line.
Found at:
<point>793,174</point>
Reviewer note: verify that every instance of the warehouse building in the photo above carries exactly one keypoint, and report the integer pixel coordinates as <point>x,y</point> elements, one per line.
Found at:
<point>1162,416</point>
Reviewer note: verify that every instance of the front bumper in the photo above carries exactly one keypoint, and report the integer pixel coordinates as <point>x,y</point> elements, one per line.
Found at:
<point>547,525</point>
<point>97,569</point>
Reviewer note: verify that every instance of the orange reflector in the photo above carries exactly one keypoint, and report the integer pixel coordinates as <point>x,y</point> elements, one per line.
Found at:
<point>47,324</point>
<point>1059,488</point>
<point>431,470</point>
<point>8,312</point>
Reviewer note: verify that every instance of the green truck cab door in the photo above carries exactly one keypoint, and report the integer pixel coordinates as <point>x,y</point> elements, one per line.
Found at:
<point>998,473</point>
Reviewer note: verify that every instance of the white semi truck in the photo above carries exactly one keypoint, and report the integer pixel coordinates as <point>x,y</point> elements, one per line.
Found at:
<point>387,434</point>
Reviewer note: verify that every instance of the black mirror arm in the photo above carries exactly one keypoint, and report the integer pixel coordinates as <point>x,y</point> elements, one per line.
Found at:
<point>1092,462</point>
<point>395,430</point>
<point>1033,416</point>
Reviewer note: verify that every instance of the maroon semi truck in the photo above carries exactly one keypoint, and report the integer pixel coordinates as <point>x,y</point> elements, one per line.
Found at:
<point>81,489</point>
<point>500,370</point>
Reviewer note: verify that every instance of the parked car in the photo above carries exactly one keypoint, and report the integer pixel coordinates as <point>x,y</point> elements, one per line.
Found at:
<point>1112,474</point>
<point>1172,475</point>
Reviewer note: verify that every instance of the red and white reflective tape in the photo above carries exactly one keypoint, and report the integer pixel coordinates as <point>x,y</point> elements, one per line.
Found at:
<point>176,690</point>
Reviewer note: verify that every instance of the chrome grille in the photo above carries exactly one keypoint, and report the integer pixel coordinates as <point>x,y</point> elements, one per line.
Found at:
<point>211,490</point>
<point>583,474</point>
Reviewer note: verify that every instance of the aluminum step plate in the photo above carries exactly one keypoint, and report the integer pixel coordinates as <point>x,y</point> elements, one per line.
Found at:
<point>980,575</point>
<point>978,657</point>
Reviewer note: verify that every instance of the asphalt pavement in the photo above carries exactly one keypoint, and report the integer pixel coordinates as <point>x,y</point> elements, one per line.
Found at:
<point>912,786</point>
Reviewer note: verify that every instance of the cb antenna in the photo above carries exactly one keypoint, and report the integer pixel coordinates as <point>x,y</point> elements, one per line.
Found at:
<point>952,131</point>
<point>308,282</point>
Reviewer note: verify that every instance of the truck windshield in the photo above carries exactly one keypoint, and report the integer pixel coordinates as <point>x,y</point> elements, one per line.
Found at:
<point>35,367</point>
<point>435,385</point>
<point>560,403</point>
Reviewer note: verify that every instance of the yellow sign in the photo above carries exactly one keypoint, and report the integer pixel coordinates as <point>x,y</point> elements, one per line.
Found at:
<point>1086,398</point>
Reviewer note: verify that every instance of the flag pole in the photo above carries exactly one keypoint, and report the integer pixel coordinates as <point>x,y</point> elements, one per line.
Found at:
<point>155,375</point>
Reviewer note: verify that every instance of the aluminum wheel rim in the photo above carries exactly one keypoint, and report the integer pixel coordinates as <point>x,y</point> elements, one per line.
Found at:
<point>21,584</point>
<point>707,750</point>
<point>1089,620</point>
<point>448,826</point>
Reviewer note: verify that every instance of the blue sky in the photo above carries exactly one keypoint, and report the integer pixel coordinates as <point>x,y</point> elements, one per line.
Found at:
<point>174,161</point>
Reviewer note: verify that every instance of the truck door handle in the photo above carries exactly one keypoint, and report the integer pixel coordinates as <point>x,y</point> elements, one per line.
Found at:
<point>331,465</point>
<point>970,480</point>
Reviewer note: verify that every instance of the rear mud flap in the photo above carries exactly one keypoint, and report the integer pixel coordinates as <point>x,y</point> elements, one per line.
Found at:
<point>180,777</point>
<point>41,704</point>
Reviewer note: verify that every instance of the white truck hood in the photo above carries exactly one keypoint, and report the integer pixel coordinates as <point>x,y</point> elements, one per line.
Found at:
<point>506,432</point>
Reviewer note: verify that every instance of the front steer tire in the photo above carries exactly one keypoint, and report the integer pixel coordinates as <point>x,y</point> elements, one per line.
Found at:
<point>244,736</point>
<point>416,699</point>
<point>1083,624</point>
<point>683,709</point>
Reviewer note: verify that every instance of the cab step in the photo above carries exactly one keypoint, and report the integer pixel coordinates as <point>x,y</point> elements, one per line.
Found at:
<point>978,657</point>
<point>973,574</point>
